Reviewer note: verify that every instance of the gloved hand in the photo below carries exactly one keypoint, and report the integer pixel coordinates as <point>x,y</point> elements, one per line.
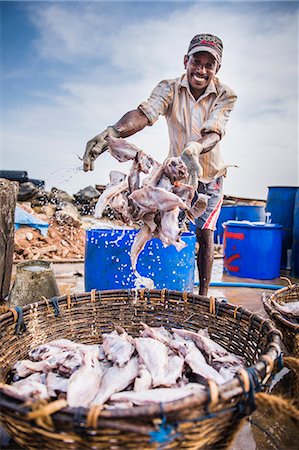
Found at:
<point>190,156</point>
<point>96,146</point>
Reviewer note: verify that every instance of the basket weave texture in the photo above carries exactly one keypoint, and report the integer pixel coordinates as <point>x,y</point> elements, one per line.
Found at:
<point>289,329</point>
<point>208,422</point>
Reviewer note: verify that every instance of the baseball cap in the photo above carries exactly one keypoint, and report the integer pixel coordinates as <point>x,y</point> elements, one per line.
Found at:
<point>206,43</point>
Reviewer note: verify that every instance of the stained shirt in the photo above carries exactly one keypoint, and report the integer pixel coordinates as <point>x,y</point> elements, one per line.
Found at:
<point>189,119</point>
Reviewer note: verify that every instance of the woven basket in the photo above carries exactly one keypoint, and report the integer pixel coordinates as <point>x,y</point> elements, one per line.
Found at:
<point>208,422</point>
<point>289,329</point>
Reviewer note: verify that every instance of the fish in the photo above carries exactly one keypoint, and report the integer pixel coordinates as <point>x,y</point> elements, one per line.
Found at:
<point>118,346</point>
<point>120,149</point>
<point>30,387</point>
<point>156,201</point>
<point>151,198</point>
<point>184,191</point>
<point>72,362</point>
<point>43,352</point>
<point>154,355</point>
<point>109,193</point>
<point>26,367</point>
<point>207,345</point>
<point>56,383</point>
<point>291,308</point>
<point>56,346</point>
<point>228,373</point>
<point>115,380</point>
<point>170,232</point>
<point>196,360</point>
<point>174,370</point>
<point>139,242</point>
<point>229,360</point>
<point>198,208</point>
<point>144,379</point>
<point>175,169</point>
<point>118,405</point>
<point>84,383</point>
<point>159,333</point>
<point>159,395</point>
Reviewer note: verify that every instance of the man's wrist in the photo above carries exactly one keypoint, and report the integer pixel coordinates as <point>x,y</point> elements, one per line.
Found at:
<point>113,131</point>
<point>193,148</point>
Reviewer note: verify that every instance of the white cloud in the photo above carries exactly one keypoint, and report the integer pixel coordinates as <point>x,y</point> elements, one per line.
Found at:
<point>114,61</point>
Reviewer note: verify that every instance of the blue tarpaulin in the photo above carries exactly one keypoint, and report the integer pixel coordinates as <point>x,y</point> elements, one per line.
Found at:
<point>24,218</point>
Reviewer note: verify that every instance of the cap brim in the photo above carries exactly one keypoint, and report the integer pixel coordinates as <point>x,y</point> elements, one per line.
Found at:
<point>203,48</point>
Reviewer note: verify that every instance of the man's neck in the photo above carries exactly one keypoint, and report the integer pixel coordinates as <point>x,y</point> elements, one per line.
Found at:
<point>197,92</point>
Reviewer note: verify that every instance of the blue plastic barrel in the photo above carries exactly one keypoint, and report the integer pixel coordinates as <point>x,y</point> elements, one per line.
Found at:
<point>280,203</point>
<point>252,213</point>
<point>252,249</point>
<point>295,248</point>
<point>227,212</point>
<point>108,264</point>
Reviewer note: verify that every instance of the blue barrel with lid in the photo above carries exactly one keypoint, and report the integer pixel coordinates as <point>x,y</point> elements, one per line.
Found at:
<point>227,212</point>
<point>253,213</point>
<point>280,203</point>
<point>252,249</point>
<point>108,264</point>
<point>295,247</point>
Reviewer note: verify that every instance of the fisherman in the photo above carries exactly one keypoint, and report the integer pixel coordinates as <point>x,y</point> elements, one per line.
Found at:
<point>196,107</point>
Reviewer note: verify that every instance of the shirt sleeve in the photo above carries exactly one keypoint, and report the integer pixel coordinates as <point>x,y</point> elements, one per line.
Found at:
<point>218,117</point>
<point>158,102</point>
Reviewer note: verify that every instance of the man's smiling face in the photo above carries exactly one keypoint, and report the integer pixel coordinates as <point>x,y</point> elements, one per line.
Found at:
<point>200,68</point>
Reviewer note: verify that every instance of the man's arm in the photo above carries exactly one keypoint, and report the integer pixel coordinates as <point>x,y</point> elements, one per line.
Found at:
<point>208,141</point>
<point>132,122</point>
<point>128,125</point>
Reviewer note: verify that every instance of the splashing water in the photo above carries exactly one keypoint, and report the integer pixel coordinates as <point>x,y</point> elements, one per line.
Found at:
<point>119,238</point>
<point>63,174</point>
<point>143,282</point>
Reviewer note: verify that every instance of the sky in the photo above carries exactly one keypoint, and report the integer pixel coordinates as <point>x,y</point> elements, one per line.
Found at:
<point>70,69</point>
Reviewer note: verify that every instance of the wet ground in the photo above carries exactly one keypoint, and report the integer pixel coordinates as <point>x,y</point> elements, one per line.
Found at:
<point>266,433</point>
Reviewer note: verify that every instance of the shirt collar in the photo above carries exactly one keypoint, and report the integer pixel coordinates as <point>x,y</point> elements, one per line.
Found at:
<point>211,88</point>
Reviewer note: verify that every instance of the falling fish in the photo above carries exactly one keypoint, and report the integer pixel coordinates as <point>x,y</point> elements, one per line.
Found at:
<point>157,201</point>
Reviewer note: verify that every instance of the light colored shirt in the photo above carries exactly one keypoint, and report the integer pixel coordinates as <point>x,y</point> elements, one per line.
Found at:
<point>189,119</point>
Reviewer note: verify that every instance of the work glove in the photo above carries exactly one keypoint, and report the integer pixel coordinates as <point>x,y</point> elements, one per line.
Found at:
<point>190,156</point>
<point>96,146</point>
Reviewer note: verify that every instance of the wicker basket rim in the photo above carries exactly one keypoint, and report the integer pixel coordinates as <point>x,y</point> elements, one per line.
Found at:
<point>290,287</point>
<point>273,312</point>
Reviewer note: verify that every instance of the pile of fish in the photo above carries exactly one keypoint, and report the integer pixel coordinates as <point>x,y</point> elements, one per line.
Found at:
<point>156,201</point>
<point>158,366</point>
<point>289,310</point>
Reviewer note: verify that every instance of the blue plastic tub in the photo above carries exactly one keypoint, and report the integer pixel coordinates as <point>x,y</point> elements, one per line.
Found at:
<point>108,264</point>
<point>295,248</point>
<point>226,213</point>
<point>250,212</point>
<point>252,250</point>
<point>280,203</point>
